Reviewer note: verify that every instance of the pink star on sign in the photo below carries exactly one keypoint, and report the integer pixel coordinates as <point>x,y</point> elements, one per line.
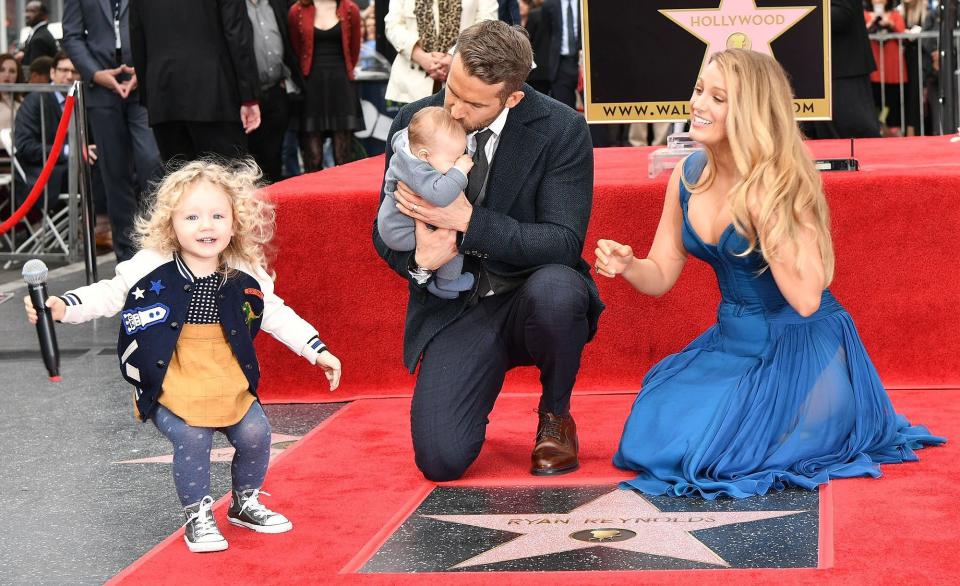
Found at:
<point>737,23</point>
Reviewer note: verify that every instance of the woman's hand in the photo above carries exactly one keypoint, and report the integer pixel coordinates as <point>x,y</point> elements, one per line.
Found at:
<point>57,308</point>
<point>612,258</point>
<point>331,368</point>
<point>425,60</point>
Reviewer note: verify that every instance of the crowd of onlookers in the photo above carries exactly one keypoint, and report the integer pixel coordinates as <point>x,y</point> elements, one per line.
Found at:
<point>277,80</point>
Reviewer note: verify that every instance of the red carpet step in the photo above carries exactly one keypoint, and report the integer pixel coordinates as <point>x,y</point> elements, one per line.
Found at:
<point>895,234</point>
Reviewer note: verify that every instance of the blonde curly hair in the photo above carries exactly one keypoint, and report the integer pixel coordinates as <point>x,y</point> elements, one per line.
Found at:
<point>253,217</point>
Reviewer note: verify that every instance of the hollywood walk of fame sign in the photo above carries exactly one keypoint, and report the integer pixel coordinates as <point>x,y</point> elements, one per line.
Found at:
<point>642,59</point>
<point>510,529</point>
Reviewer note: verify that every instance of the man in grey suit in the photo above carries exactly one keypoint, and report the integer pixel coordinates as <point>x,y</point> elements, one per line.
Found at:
<point>128,154</point>
<point>520,225</point>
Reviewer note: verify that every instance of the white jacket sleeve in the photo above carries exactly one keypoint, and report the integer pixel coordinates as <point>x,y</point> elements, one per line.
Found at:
<point>282,322</point>
<point>105,298</point>
<point>398,28</point>
<point>487,10</point>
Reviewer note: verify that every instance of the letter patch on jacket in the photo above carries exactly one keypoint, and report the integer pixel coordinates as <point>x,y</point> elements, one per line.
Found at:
<point>141,318</point>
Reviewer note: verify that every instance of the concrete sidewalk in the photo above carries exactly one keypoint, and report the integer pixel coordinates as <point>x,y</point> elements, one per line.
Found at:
<point>87,488</point>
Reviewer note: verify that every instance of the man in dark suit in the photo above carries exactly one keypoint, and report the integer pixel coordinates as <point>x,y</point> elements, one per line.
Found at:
<point>128,152</point>
<point>41,41</point>
<point>851,65</point>
<point>521,225</point>
<point>277,65</point>
<point>196,71</point>
<point>35,129</point>
<point>562,19</point>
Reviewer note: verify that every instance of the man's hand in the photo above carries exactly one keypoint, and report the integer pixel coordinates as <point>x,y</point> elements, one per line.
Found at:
<point>108,78</point>
<point>455,216</point>
<point>91,157</point>
<point>250,117</point>
<point>132,84</point>
<point>435,248</point>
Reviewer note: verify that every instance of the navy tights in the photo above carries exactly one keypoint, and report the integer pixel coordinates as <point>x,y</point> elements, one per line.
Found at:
<point>250,437</point>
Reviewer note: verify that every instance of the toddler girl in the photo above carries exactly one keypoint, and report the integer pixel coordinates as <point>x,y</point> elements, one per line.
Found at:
<point>191,302</point>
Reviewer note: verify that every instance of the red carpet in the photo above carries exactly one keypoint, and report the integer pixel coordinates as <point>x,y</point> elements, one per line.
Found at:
<point>895,233</point>
<point>351,481</point>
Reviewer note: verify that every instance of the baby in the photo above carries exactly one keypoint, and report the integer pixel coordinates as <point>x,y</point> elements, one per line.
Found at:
<point>429,158</point>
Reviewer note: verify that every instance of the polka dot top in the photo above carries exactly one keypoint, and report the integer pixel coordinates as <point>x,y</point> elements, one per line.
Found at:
<point>203,302</point>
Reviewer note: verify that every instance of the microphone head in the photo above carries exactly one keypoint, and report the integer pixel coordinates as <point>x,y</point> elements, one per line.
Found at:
<point>34,272</point>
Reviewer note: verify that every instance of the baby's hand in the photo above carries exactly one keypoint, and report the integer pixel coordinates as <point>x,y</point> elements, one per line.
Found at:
<point>57,308</point>
<point>331,368</point>
<point>464,163</point>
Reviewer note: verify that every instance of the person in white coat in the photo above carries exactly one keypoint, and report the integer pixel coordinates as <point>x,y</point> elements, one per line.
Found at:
<point>424,32</point>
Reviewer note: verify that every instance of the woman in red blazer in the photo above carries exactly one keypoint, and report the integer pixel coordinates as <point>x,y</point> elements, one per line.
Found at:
<point>326,37</point>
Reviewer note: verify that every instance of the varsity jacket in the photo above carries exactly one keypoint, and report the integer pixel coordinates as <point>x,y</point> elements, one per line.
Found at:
<point>152,293</point>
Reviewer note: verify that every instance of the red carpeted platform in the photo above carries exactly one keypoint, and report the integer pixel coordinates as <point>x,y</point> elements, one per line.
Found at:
<point>895,227</point>
<point>349,483</point>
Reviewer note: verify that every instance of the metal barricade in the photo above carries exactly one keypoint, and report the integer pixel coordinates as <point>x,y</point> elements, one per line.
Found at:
<point>59,228</point>
<point>926,41</point>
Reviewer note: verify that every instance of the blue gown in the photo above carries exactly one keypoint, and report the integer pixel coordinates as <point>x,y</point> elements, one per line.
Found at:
<point>765,398</point>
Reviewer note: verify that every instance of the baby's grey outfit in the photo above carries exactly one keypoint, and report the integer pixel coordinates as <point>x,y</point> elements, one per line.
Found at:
<point>397,229</point>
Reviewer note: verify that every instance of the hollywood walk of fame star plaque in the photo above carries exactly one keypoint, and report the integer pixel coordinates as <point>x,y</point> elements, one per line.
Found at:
<point>515,529</point>
<point>642,59</point>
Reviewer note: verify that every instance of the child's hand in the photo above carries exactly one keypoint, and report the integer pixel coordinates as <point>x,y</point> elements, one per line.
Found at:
<point>57,308</point>
<point>331,368</point>
<point>464,163</point>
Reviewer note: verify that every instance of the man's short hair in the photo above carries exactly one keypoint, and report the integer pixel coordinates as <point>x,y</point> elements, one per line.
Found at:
<point>496,52</point>
<point>41,66</point>
<point>60,56</point>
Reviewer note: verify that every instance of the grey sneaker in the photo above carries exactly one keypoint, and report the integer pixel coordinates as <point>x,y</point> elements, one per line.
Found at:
<point>247,511</point>
<point>200,531</point>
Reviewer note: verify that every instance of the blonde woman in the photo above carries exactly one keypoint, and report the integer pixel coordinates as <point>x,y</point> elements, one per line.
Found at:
<point>780,392</point>
<point>191,302</point>
<point>424,32</point>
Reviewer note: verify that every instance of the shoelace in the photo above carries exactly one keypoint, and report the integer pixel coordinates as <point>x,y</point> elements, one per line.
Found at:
<point>551,429</point>
<point>204,523</point>
<point>254,506</point>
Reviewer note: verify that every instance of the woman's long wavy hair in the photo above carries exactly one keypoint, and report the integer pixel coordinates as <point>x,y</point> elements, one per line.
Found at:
<point>253,217</point>
<point>768,151</point>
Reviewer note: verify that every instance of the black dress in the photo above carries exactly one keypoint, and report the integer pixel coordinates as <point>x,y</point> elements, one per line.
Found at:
<point>330,98</point>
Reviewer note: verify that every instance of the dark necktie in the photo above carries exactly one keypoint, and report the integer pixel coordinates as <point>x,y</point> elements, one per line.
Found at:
<point>481,165</point>
<point>571,35</point>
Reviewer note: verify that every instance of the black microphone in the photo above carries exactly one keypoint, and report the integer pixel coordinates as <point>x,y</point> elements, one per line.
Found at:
<point>35,274</point>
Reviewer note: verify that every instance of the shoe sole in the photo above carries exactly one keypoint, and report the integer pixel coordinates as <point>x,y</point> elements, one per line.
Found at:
<point>207,547</point>
<point>282,528</point>
<point>554,471</point>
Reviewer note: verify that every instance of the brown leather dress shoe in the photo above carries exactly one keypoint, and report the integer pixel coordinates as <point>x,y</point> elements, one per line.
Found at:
<point>557,445</point>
